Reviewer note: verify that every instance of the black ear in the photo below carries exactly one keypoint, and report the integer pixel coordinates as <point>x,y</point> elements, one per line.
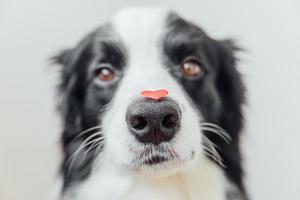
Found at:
<point>69,105</point>
<point>231,88</point>
<point>71,92</point>
<point>65,60</point>
<point>69,99</point>
<point>69,108</point>
<point>62,57</point>
<point>232,92</point>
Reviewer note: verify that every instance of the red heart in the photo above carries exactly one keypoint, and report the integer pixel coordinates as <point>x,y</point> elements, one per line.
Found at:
<point>154,94</point>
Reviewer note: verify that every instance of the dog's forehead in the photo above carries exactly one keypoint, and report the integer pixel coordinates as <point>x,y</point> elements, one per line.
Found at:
<point>140,27</point>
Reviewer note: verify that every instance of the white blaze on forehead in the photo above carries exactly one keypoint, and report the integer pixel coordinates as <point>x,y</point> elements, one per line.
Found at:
<point>138,27</point>
<point>141,31</point>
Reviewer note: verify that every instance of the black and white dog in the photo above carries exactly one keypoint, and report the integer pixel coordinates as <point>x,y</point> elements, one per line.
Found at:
<point>123,139</point>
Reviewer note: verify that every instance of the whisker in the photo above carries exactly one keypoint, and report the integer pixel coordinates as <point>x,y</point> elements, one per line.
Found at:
<point>213,157</point>
<point>87,131</point>
<point>83,145</point>
<point>98,161</point>
<point>210,150</point>
<point>216,129</point>
<point>91,136</point>
<point>100,158</point>
<point>95,144</point>
<point>105,107</point>
<point>92,146</point>
<point>217,132</point>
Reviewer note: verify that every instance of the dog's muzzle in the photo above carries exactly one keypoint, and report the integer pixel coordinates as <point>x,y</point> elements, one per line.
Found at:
<point>153,121</point>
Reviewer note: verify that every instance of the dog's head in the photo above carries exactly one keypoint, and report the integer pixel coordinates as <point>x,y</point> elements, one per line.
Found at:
<point>105,116</point>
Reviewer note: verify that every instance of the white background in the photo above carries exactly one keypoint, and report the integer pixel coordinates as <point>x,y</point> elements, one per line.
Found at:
<point>33,30</point>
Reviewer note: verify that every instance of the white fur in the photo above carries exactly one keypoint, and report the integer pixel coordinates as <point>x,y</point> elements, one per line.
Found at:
<point>191,177</point>
<point>204,181</point>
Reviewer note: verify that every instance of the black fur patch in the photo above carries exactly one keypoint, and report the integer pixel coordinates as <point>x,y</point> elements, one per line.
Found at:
<point>82,100</point>
<point>219,94</point>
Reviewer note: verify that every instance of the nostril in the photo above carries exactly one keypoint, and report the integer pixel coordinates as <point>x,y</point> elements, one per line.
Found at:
<point>170,121</point>
<point>138,122</point>
<point>151,121</point>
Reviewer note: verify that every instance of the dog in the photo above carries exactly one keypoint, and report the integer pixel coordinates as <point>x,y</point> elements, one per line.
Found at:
<point>152,109</point>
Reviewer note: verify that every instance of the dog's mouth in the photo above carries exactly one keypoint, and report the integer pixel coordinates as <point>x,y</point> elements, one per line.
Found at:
<point>155,160</point>
<point>153,156</point>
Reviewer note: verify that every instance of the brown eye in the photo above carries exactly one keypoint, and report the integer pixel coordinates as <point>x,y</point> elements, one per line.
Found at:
<point>106,74</point>
<point>191,68</point>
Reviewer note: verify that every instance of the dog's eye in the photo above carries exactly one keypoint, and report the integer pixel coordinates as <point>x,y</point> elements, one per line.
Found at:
<point>105,73</point>
<point>191,68</point>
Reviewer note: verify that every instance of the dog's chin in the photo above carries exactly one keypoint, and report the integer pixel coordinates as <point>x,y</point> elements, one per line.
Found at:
<point>156,161</point>
<point>158,168</point>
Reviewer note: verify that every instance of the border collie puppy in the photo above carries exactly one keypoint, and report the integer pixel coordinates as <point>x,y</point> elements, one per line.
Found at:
<point>152,109</point>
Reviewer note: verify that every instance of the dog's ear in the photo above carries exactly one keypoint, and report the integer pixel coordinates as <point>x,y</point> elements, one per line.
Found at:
<point>71,91</point>
<point>65,59</point>
<point>232,92</point>
<point>69,97</point>
<point>230,86</point>
<point>62,57</point>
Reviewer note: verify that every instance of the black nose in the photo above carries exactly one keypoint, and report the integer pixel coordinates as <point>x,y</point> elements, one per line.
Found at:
<point>152,121</point>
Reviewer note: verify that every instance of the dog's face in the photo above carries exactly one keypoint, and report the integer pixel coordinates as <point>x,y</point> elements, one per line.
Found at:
<point>102,105</point>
